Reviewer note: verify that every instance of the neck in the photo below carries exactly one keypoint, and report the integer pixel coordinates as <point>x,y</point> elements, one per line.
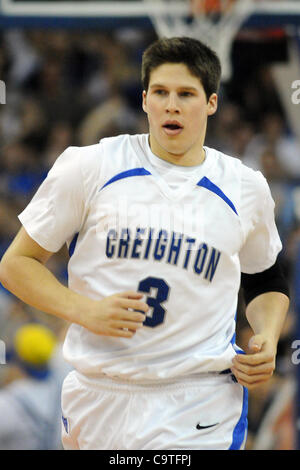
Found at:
<point>192,157</point>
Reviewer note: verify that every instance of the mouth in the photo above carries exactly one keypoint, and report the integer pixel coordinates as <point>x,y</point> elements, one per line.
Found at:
<point>172,127</point>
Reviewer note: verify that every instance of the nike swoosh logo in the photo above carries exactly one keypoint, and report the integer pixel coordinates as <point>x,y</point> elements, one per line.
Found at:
<point>205,427</point>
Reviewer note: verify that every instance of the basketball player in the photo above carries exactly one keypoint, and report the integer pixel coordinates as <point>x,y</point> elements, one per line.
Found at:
<point>159,229</point>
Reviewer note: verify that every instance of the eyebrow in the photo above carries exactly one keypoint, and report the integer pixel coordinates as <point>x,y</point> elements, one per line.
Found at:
<point>183,87</point>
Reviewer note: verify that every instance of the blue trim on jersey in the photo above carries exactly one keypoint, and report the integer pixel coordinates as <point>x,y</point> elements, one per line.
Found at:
<point>233,338</point>
<point>127,174</point>
<point>234,334</point>
<point>240,429</point>
<point>206,183</point>
<point>65,423</point>
<point>73,245</point>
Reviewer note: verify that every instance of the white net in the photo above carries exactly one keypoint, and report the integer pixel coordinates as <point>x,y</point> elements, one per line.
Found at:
<point>215,22</point>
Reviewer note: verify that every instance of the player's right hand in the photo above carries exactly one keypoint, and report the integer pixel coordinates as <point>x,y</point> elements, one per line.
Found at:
<point>116,315</point>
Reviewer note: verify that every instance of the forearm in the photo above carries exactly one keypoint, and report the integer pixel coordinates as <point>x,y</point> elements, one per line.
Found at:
<point>118,315</point>
<point>266,314</point>
<point>33,283</point>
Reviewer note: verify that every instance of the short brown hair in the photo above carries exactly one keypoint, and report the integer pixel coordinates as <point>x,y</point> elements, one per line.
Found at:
<point>201,61</point>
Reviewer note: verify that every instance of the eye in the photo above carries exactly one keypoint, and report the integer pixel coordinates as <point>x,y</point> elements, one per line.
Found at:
<point>160,92</point>
<point>186,94</point>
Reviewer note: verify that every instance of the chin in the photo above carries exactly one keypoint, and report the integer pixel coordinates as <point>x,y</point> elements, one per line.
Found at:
<point>174,150</point>
<point>176,154</point>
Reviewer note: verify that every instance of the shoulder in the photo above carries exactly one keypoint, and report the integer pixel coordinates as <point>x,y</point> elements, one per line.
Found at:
<point>72,158</point>
<point>87,154</point>
<point>222,159</point>
<point>251,180</point>
<point>121,153</point>
<point>255,185</point>
<point>95,164</point>
<point>119,143</point>
<point>90,163</point>
<point>122,144</point>
<point>247,187</point>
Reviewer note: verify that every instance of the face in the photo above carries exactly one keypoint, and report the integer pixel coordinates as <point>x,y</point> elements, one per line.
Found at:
<point>177,110</point>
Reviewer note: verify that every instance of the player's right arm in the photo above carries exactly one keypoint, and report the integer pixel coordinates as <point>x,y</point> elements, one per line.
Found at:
<point>23,272</point>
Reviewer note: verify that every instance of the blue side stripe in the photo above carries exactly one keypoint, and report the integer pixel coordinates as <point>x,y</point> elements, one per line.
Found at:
<point>73,245</point>
<point>240,429</point>
<point>233,338</point>
<point>234,334</point>
<point>206,183</point>
<point>65,423</point>
<point>127,174</point>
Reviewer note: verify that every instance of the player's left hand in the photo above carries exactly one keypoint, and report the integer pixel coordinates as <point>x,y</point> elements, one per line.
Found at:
<point>257,366</point>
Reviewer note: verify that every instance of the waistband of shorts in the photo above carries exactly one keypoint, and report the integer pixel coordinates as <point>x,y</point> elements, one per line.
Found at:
<point>116,383</point>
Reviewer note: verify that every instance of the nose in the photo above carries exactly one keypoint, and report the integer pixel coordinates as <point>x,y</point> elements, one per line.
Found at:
<point>172,105</point>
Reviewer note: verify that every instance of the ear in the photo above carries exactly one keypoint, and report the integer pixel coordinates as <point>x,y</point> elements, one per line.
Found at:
<point>212,104</point>
<point>144,105</point>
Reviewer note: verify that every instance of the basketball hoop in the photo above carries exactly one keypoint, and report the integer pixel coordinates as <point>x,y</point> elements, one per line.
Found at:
<point>209,7</point>
<point>214,22</point>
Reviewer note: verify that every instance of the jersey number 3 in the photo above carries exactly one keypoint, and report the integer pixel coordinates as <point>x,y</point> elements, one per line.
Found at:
<point>157,315</point>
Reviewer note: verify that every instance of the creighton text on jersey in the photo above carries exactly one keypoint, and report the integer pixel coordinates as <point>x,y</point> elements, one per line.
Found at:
<point>172,248</point>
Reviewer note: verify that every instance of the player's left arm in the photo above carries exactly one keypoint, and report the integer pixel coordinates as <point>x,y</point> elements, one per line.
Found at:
<point>267,302</point>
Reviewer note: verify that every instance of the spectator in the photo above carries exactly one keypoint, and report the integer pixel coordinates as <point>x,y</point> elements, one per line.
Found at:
<point>30,403</point>
<point>273,135</point>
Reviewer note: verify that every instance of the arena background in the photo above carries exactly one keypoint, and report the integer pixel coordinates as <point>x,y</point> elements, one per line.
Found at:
<point>70,75</point>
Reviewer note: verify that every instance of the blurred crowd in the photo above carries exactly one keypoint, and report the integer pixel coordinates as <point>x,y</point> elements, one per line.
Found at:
<point>75,87</point>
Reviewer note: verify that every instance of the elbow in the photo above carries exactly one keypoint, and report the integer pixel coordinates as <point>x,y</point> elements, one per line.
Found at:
<point>4,272</point>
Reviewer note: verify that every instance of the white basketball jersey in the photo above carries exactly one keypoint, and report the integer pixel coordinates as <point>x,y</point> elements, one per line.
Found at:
<point>179,235</point>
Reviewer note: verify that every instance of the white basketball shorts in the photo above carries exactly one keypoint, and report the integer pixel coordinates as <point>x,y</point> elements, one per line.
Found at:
<point>206,412</point>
